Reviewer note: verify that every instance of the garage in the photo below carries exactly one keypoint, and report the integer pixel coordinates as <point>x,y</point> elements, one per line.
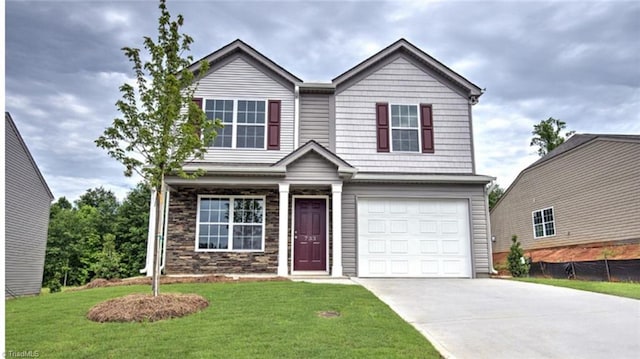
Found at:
<point>405,237</point>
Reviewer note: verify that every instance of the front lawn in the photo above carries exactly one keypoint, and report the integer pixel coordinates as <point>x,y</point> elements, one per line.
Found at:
<point>243,320</point>
<point>621,289</point>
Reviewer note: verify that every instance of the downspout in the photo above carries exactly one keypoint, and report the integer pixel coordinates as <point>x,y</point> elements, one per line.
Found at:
<point>164,231</point>
<point>489,235</point>
<point>296,116</point>
<point>152,220</point>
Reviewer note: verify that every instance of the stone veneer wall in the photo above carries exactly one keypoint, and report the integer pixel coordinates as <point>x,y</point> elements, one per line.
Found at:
<point>181,236</point>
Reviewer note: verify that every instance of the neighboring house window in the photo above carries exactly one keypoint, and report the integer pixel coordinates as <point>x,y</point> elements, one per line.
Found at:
<point>244,123</point>
<point>409,127</point>
<point>544,223</point>
<point>230,224</point>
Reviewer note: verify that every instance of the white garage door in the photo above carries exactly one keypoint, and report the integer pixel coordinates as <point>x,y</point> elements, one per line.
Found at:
<point>413,238</point>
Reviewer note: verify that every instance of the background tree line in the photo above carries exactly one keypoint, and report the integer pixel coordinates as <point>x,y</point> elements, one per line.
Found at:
<point>96,237</point>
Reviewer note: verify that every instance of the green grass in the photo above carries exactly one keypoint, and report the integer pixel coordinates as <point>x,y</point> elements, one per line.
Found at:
<point>244,320</point>
<point>621,289</point>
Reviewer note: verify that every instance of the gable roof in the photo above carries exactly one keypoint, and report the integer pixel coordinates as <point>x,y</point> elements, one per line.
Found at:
<point>239,46</point>
<point>574,142</point>
<point>9,121</point>
<point>404,46</point>
<point>313,146</point>
<point>578,140</point>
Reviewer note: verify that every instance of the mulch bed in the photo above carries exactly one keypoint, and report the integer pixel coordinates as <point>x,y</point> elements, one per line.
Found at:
<point>99,283</point>
<point>145,307</point>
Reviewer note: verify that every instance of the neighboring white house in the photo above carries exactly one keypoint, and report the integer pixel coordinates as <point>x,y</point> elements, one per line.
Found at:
<point>370,175</point>
<point>28,200</point>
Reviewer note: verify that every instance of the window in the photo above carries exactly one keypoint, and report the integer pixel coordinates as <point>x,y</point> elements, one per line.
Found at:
<point>544,223</point>
<point>411,128</point>
<point>230,224</point>
<point>405,128</point>
<point>244,123</point>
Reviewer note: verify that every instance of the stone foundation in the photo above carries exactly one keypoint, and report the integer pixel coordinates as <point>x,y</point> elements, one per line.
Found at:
<point>181,236</point>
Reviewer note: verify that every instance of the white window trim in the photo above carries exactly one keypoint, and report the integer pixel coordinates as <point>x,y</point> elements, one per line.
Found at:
<point>544,230</point>
<point>234,124</point>
<point>391,128</point>
<point>231,223</point>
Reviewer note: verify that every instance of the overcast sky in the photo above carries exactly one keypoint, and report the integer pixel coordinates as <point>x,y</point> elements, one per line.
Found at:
<point>577,61</point>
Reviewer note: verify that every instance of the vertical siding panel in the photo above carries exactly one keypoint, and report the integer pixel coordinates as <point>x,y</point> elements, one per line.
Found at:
<point>312,167</point>
<point>314,119</point>
<point>594,191</point>
<point>26,218</point>
<point>401,82</point>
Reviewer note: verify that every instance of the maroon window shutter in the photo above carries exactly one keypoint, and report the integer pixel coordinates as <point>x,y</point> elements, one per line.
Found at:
<point>273,125</point>
<point>426,128</point>
<point>382,126</point>
<point>198,102</point>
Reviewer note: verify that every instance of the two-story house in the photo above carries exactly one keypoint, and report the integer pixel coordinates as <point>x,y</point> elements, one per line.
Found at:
<point>371,175</point>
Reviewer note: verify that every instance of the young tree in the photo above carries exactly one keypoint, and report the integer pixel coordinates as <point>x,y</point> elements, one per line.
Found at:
<point>518,264</point>
<point>161,127</point>
<point>547,135</point>
<point>107,264</point>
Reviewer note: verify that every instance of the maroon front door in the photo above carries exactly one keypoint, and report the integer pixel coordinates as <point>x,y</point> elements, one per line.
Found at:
<point>310,235</point>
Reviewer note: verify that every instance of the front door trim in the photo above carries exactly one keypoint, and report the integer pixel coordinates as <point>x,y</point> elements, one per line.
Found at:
<point>293,226</point>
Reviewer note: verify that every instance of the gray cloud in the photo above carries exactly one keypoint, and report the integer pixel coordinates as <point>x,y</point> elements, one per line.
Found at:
<point>577,61</point>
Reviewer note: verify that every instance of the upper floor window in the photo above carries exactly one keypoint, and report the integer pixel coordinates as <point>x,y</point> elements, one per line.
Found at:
<point>544,223</point>
<point>244,122</point>
<point>404,128</point>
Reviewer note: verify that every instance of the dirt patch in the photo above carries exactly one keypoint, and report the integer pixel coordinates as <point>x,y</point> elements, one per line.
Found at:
<point>99,283</point>
<point>575,254</point>
<point>145,307</point>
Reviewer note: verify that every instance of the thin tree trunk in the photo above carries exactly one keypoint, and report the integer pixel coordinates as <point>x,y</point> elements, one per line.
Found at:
<point>155,285</point>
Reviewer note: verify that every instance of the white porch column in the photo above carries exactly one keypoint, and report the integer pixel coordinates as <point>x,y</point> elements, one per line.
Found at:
<point>283,229</point>
<point>336,202</point>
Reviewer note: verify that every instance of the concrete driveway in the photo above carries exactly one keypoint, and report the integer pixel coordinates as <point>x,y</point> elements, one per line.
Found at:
<point>494,318</point>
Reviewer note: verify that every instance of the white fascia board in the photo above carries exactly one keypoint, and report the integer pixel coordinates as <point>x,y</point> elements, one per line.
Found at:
<point>237,170</point>
<point>255,181</point>
<point>426,178</point>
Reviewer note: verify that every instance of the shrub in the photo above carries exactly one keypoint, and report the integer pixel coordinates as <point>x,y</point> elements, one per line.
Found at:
<point>518,265</point>
<point>107,265</point>
<point>54,285</point>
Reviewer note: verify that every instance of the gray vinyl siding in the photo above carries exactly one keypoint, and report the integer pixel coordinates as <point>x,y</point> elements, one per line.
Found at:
<point>402,82</point>
<point>26,217</point>
<point>314,119</point>
<point>312,168</point>
<point>474,193</point>
<point>594,191</point>
<point>241,79</point>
